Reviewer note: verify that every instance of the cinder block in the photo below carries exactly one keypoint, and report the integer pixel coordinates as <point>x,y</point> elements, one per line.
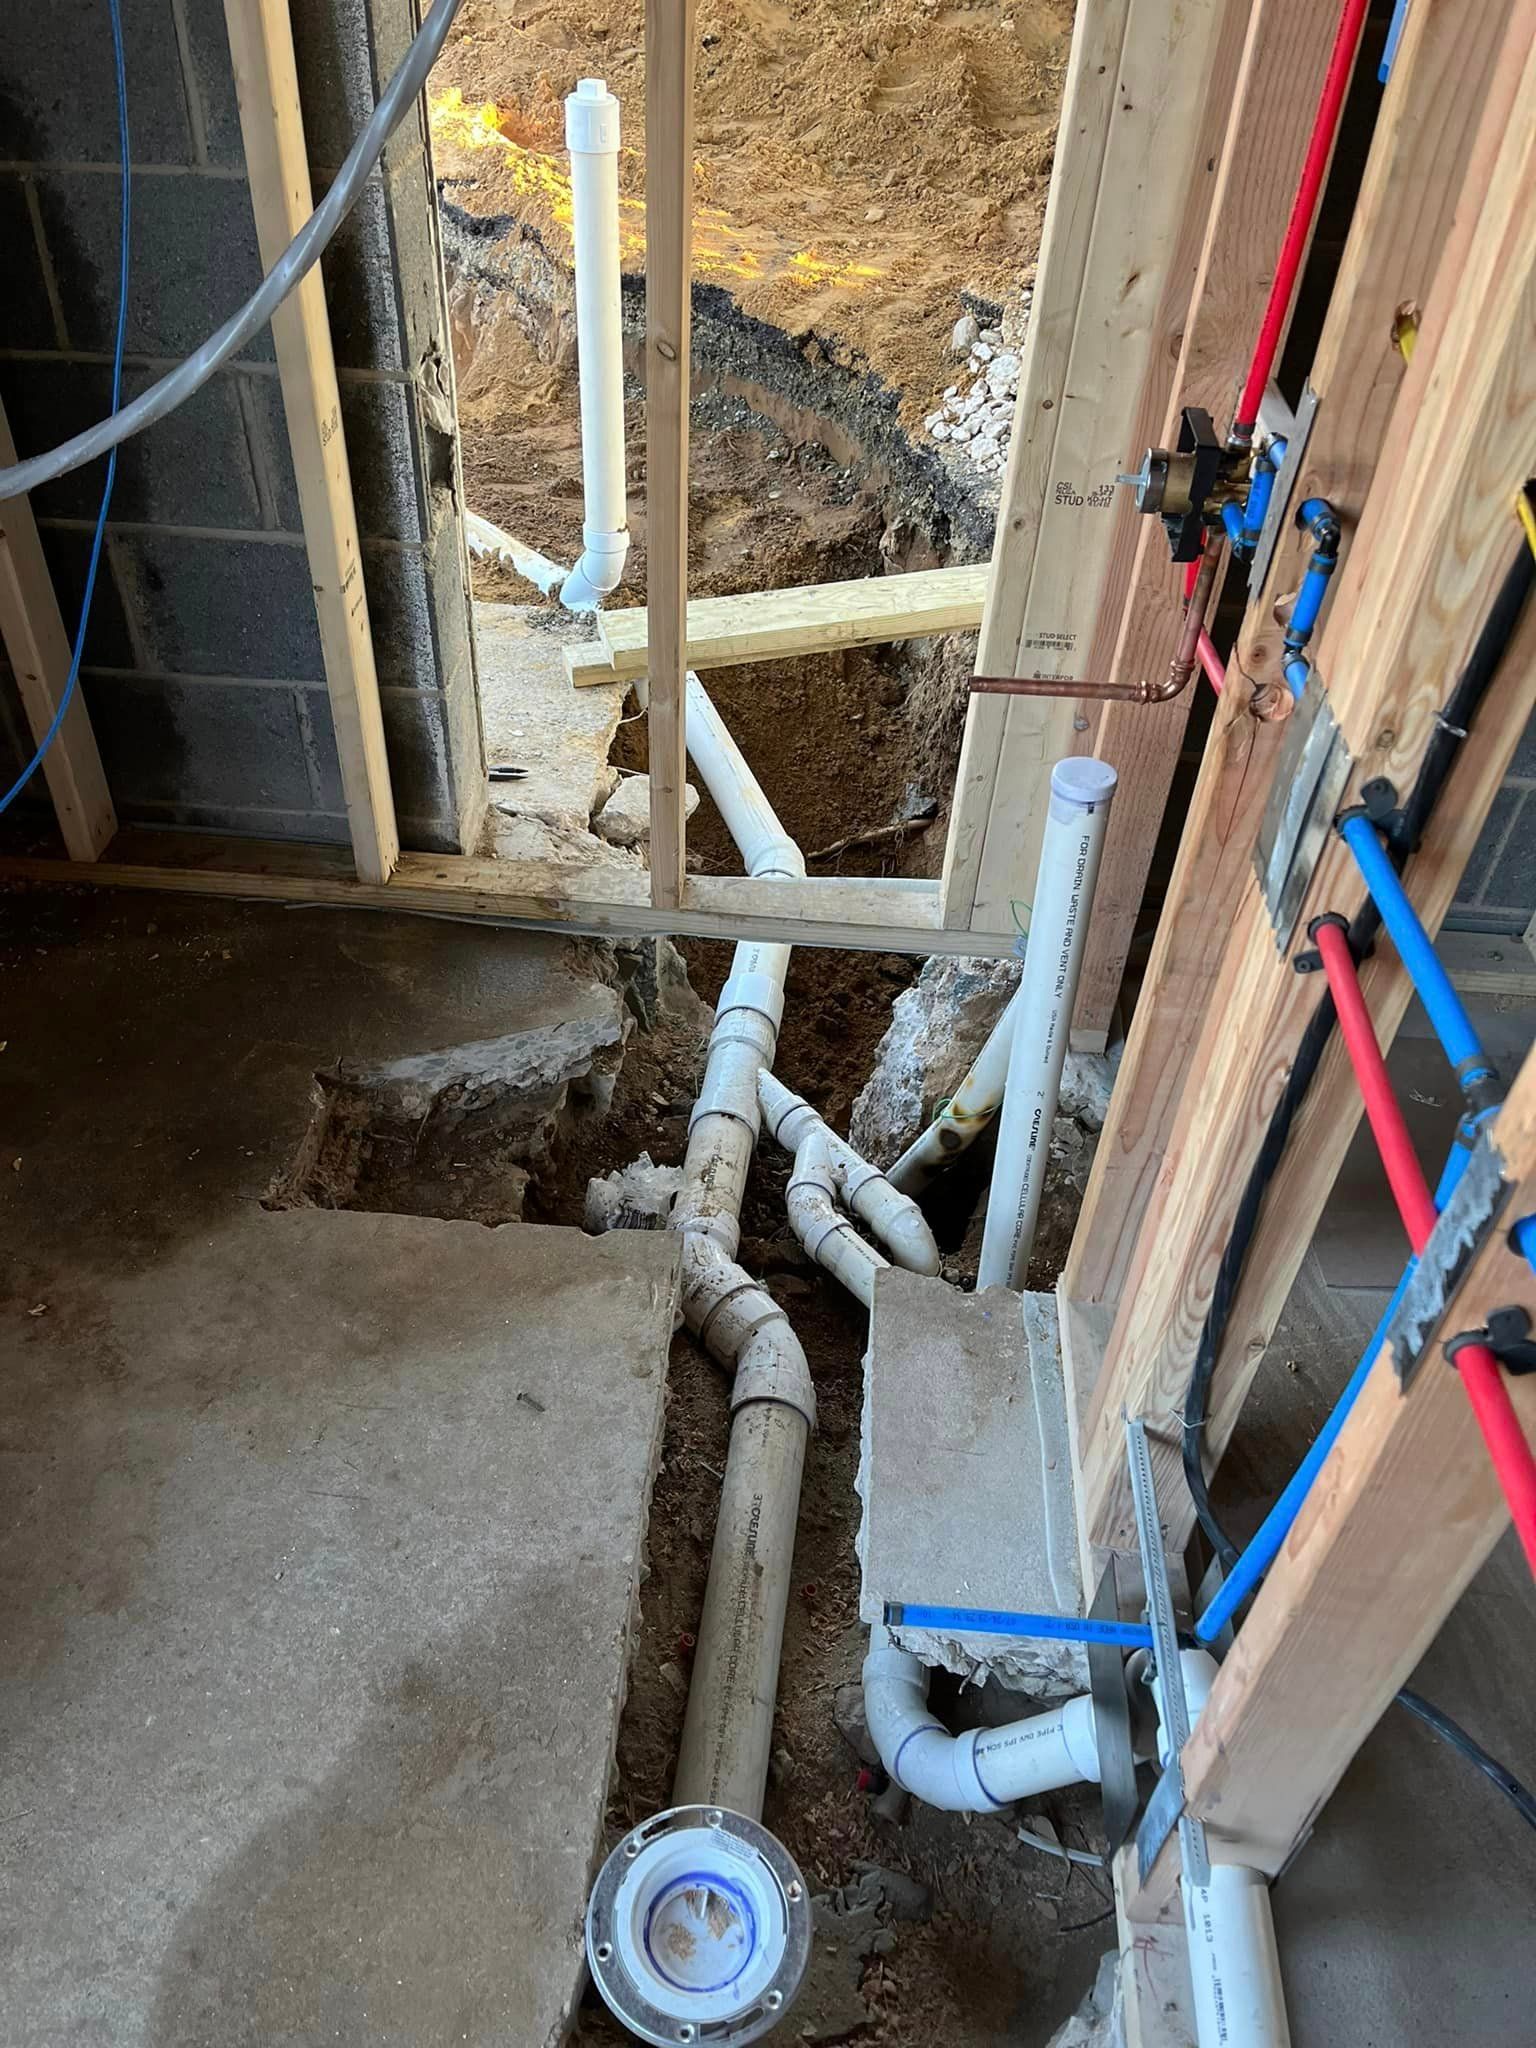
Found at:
<point>379,421</point>
<point>194,258</point>
<point>418,755</point>
<point>192,468</point>
<point>270,448</point>
<point>28,314</point>
<point>359,286</point>
<point>1479,868</point>
<point>318,731</point>
<point>1523,767</point>
<point>213,81</point>
<point>404,645</point>
<point>423,310</point>
<point>227,746</point>
<point>60,97</point>
<point>221,607</point>
<point>108,643</point>
<point>332,42</point>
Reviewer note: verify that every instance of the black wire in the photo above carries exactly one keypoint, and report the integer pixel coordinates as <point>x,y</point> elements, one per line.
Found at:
<point>1402,837</point>
<point>1520,1796</point>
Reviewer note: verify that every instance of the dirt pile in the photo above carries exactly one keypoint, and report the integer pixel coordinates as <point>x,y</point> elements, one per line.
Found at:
<point>857,168</point>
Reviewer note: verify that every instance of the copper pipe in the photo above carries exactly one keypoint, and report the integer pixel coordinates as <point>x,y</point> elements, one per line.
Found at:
<point>1185,660</point>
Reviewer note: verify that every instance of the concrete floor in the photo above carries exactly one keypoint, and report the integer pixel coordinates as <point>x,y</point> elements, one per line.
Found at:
<point>322,1530</point>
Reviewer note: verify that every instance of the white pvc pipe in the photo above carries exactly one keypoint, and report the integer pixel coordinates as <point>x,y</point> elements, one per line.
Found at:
<point>592,137</point>
<point>966,1114</point>
<point>984,1769</point>
<point>1081,789</point>
<point>828,1172</point>
<point>727,1730</point>
<point>1234,1961</point>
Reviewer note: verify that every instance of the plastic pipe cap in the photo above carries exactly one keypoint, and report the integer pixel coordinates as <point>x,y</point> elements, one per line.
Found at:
<point>591,119</point>
<point>1083,782</point>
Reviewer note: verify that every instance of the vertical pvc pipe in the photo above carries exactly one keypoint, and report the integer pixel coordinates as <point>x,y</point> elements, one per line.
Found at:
<point>1081,790</point>
<point>592,137</point>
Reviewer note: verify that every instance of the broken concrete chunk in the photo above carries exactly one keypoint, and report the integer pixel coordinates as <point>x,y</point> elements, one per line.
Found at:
<point>625,819</point>
<point>1099,2021</point>
<point>967,330</point>
<point>634,1197</point>
<point>937,1028</point>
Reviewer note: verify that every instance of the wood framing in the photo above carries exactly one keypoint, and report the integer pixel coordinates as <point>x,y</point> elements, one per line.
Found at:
<point>1434,542</point>
<point>1405,1511</point>
<point>669,60</point>
<point>272,128</point>
<point>772,625</point>
<point>39,650</point>
<point>1444,72</point>
<point>874,914</point>
<point>1284,58</point>
<point>1112,286</point>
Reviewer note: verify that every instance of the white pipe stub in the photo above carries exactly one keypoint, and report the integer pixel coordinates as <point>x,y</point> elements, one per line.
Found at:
<point>699,1928</point>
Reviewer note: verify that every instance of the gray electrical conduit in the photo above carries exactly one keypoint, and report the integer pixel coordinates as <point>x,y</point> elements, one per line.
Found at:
<point>300,257</point>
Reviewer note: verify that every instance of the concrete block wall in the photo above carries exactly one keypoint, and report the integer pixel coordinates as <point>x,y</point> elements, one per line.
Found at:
<point>202,669</point>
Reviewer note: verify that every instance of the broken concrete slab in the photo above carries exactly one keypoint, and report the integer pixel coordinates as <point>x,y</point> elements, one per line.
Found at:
<point>318,1600</point>
<point>625,819</point>
<point>634,1197</point>
<point>533,719</point>
<point>937,1028</point>
<point>965,1475</point>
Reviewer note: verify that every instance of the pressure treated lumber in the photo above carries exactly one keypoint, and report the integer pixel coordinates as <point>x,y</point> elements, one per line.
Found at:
<point>1116,264</point>
<point>1445,69</point>
<point>872,913</point>
<point>772,625</point>
<point>1284,61</point>
<point>1435,540</point>
<point>669,63</point>
<point>1404,1512</point>
<point>39,650</point>
<point>277,167</point>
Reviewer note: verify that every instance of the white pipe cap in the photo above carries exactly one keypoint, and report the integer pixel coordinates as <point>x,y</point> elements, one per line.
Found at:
<point>1083,782</point>
<point>592,119</point>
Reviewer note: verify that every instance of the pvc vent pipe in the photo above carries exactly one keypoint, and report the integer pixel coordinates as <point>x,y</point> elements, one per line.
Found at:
<point>592,137</point>
<point>1081,789</point>
<point>1234,1962</point>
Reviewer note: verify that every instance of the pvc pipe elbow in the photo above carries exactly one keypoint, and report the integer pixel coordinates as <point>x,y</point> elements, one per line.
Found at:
<point>599,572</point>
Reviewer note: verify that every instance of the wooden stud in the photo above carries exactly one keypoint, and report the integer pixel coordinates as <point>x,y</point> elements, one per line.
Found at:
<point>1403,1514</point>
<point>272,127</point>
<point>1112,287</point>
<point>1443,75</point>
<point>1435,541</point>
<point>1284,60</point>
<point>874,913</point>
<point>40,653</point>
<point>773,625</point>
<point>669,61</point>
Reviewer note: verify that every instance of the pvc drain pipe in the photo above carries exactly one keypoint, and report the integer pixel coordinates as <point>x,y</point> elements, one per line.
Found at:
<point>592,137</point>
<point>1234,1962</point>
<point>828,1176</point>
<point>1081,789</point>
<point>967,1113</point>
<point>729,1876</point>
<point>983,1770</point>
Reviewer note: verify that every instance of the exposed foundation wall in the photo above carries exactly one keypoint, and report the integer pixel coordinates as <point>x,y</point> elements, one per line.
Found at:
<point>203,673</point>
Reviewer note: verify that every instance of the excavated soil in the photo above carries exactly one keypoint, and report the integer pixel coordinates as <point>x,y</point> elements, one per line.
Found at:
<point>858,167</point>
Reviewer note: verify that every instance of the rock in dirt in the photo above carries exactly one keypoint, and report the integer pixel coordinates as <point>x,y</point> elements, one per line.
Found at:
<point>853,1723</point>
<point>634,1197</point>
<point>625,819</point>
<point>967,333</point>
<point>937,1028</point>
<point>1099,2021</point>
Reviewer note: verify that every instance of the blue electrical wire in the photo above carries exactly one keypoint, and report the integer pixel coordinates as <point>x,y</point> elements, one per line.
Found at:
<point>48,738</point>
